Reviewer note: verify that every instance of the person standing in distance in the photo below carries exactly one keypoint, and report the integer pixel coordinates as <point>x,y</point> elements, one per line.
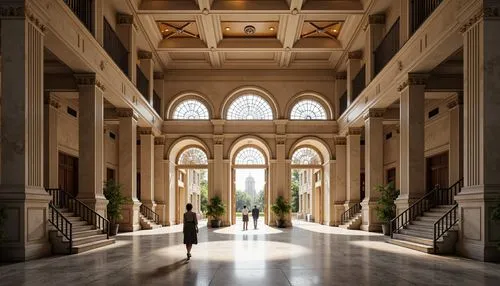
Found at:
<point>190,229</point>
<point>255,216</point>
<point>244,212</point>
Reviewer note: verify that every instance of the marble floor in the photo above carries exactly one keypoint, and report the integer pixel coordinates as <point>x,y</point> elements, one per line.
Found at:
<point>307,254</point>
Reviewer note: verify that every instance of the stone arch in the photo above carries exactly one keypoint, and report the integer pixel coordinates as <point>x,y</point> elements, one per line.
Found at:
<point>316,143</point>
<point>321,99</point>
<point>250,140</point>
<point>186,95</point>
<point>250,90</point>
<point>182,143</point>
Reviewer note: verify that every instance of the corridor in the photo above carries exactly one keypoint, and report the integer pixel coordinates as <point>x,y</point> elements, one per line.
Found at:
<point>307,254</point>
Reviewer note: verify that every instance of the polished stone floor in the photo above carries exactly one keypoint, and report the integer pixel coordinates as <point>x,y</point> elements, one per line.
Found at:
<point>307,254</point>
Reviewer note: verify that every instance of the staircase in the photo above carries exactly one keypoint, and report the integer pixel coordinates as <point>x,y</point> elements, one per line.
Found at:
<point>148,218</point>
<point>76,228</point>
<point>352,218</point>
<point>429,225</point>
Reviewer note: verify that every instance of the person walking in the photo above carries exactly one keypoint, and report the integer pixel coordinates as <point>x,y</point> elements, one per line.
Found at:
<point>255,216</point>
<point>190,229</point>
<point>244,212</point>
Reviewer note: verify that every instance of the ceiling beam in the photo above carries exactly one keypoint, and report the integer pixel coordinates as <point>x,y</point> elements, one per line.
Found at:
<point>210,33</point>
<point>292,24</point>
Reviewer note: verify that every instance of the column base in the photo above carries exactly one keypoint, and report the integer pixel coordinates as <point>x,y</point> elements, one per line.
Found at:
<point>479,235</point>
<point>161,209</point>
<point>370,222</point>
<point>130,216</point>
<point>99,204</point>
<point>26,227</point>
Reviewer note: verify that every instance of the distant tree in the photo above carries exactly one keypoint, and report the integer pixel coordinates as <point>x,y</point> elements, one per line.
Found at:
<point>259,202</point>
<point>242,199</point>
<point>204,196</point>
<point>295,191</point>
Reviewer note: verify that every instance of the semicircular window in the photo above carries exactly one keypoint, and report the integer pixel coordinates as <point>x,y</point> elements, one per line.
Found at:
<point>308,109</point>
<point>193,156</point>
<point>306,156</point>
<point>250,156</point>
<point>250,107</point>
<point>191,109</point>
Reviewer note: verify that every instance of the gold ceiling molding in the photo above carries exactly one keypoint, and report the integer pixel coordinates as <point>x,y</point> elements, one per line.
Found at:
<point>126,112</point>
<point>340,140</point>
<point>89,79</point>
<point>145,55</point>
<point>413,79</point>
<point>355,55</point>
<point>485,13</point>
<point>354,131</point>
<point>183,29</point>
<point>321,29</point>
<point>374,113</point>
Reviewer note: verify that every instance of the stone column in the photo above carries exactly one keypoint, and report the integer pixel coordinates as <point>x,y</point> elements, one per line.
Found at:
<point>455,109</point>
<point>126,30</point>
<point>220,179</point>
<point>147,66</point>
<point>374,167</point>
<point>21,190</point>
<point>339,193</point>
<point>328,184</point>
<point>51,152</point>
<point>147,167</point>
<point>353,67</point>
<point>170,186</point>
<point>374,35</point>
<point>127,169</point>
<point>353,167</point>
<point>412,161</point>
<point>91,142</point>
<point>479,234</point>
<point>160,189</point>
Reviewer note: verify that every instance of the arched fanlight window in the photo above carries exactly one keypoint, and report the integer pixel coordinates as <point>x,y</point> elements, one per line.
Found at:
<point>193,156</point>
<point>308,109</point>
<point>250,107</point>
<point>191,109</point>
<point>306,156</point>
<point>250,156</point>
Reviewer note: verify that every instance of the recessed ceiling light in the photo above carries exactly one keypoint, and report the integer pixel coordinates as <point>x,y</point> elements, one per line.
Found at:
<point>271,28</point>
<point>227,29</point>
<point>334,30</point>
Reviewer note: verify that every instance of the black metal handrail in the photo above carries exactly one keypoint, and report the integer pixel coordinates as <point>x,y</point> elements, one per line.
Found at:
<point>150,214</point>
<point>142,83</point>
<point>63,199</point>
<point>387,48</point>
<point>444,223</point>
<point>350,213</point>
<point>420,10</point>
<point>62,224</point>
<point>115,48</point>
<point>358,83</point>
<point>83,10</point>
<point>438,196</point>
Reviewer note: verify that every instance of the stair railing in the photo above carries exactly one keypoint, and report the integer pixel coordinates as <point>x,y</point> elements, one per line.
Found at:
<point>63,199</point>
<point>150,214</point>
<point>450,218</point>
<point>350,213</point>
<point>438,196</point>
<point>62,224</point>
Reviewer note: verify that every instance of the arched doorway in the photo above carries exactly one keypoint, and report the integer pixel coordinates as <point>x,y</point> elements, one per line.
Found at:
<point>249,177</point>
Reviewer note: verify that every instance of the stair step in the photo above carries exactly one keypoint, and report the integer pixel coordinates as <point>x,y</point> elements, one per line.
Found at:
<point>423,234</point>
<point>423,223</point>
<point>418,227</point>
<point>427,219</point>
<point>83,227</point>
<point>86,233</point>
<point>92,245</point>
<point>435,215</point>
<point>416,239</point>
<point>87,239</point>
<point>412,245</point>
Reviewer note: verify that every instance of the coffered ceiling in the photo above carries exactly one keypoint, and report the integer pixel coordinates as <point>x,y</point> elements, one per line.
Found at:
<point>250,34</point>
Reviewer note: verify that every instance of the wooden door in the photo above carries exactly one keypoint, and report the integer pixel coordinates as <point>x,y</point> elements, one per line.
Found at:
<point>68,173</point>
<point>437,171</point>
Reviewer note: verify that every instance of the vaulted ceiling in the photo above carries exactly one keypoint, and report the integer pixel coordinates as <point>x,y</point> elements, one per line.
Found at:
<point>248,34</point>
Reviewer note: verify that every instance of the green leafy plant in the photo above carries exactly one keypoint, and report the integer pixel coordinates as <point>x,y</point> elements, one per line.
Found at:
<point>386,208</point>
<point>115,199</point>
<point>216,208</point>
<point>3,218</point>
<point>281,208</point>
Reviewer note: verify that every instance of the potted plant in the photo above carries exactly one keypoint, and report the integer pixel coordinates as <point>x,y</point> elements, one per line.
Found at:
<point>115,201</point>
<point>215,210</point>
<point>3,218</point>
<point>281,208</point>
<point>386,208</point>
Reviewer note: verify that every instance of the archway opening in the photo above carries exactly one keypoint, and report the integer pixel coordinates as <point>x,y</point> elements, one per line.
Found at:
<point>307,185</point>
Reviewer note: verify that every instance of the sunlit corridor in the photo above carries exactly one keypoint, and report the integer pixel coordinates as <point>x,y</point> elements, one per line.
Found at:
<point>307,254</point>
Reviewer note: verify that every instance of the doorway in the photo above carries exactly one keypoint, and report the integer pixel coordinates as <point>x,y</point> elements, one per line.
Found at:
<point>437,171</point>
<point>68,173</point>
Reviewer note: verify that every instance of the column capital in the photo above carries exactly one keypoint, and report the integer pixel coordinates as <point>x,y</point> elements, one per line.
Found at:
<point>124,19</point>
<point>86,79</point>
<point>355,55</point>
<point>354,131</point>
<point>218,139</point>
<point>145,55</point>
<point>126,112</point>
<point>20,10</point>
<point>484,13</point>
<point>160,140</point>
<point>158,75</point>
<point>413,79</point>
<point>341,76</point>
<point>52,101</point>
<point>340,140</point>
<point>145,130</point>
<point>374,113</point>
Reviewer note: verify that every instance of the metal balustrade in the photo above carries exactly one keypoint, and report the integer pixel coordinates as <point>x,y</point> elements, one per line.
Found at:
<point>115,48</point>
<point>142,83</point>
<point>62,224</point>
<point>387,48</point>
<point>350,213</point>
<point>150,214</point>
<point>83,10</point>
<point>420,10</point>
<point>358,83</point>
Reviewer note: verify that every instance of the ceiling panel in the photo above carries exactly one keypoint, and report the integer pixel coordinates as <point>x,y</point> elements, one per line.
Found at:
<point>249,29</point>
